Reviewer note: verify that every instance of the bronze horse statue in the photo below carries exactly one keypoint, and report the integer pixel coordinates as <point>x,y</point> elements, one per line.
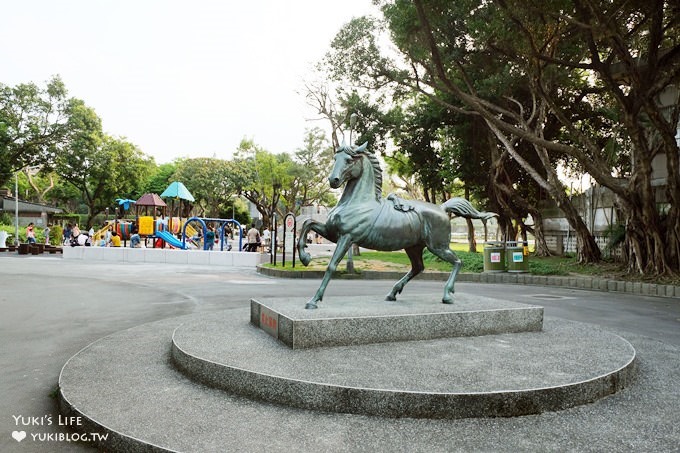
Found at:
<point>364,217</point>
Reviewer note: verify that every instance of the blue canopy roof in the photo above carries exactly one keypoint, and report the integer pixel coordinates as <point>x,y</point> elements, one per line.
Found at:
<point>177,190</point>
<point>125,202</point>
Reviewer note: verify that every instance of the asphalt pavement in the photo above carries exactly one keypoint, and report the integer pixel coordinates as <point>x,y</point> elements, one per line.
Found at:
<point>52,308</point>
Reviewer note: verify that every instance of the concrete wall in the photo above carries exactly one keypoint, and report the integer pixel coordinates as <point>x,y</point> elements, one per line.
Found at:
<point>170,256</point>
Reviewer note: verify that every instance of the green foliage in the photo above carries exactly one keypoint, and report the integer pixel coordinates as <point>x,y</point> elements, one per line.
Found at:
<point>278,183</point>
<point>100,166</point>
<point>236,208</point>
<point>552,82</point>
<point>542,267</point>
<point>472,262</point>
<point>33,125</point>
<point>356,50</point>
<point>84,169</point>
<point>160,178</point>
<point>56,233</point>
<point>210,182</point>
<point>259,175</point>
<point>68,218</point>
<point>616,235</point>
<point>9,228</point>
<point>310,167</point>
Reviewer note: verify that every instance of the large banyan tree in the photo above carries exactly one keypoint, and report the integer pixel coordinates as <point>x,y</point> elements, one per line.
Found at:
<point>601,78</point>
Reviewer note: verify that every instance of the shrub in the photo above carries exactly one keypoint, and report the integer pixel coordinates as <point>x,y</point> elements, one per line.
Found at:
<point>56,232</point>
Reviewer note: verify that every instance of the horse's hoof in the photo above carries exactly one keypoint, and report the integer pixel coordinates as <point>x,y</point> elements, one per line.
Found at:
<point>306,259</point>
<point>310,305</point>
<point>447,301</point>
<point>390,298</point>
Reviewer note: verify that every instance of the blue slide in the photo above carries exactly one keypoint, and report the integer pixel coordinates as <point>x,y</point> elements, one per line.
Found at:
<point>170,239</point>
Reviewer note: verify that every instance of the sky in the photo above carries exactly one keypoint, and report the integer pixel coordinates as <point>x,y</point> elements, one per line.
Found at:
<point>180,79</point>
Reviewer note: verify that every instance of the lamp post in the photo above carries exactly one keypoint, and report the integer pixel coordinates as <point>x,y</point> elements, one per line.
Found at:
<point>234,197</point>
<point>16,208</point>
<point>29,171</point>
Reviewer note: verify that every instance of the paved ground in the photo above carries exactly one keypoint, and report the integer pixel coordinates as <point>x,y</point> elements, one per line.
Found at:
<point>52,308</point>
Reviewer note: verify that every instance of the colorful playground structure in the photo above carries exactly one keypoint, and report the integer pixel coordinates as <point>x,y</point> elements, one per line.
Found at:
<point>168,229</point>
<point>176,228</point>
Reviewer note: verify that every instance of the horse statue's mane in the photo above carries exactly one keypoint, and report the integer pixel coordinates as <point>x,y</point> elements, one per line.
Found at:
<point>377,170</point>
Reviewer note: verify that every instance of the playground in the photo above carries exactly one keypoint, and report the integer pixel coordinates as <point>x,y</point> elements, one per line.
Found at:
<point>159,225</point>
<point>162,233</point>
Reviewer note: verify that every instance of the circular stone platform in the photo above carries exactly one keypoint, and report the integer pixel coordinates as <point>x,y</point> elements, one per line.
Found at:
<point>565,365</point>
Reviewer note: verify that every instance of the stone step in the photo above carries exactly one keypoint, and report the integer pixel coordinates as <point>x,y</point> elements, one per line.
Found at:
<point>485,376</point>
<point>125,387</point>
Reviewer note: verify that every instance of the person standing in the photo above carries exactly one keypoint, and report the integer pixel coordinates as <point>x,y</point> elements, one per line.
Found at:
<point>135,239</point>
<point>266,239</point>
<point>30,234</point>
<point>209,239</point>
<point>253,238</point>
<point>66,238</point>
<point>46,234</point>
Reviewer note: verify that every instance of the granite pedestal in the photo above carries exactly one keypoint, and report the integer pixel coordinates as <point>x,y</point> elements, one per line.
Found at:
<point>360,320</point>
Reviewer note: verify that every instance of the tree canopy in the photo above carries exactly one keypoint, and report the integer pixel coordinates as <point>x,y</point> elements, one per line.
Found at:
<point>33,124</point>
<point>100,166</point>
<point>571,81</point>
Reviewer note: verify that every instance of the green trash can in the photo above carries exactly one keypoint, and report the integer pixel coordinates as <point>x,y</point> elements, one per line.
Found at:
<point>517,256</point>
<point>494,257</point>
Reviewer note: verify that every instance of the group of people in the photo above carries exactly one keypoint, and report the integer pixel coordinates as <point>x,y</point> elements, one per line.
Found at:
<point>110,238</point>
<point>73,236</point>
<point>253,237</point>
<point>30,234</point>
<point>254,240</point>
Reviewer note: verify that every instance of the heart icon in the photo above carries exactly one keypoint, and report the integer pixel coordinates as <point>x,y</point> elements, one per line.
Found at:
<point>19,435</point>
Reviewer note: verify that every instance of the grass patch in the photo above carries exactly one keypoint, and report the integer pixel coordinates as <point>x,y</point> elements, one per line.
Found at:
<point>474,263</point>
<point>389,261</point>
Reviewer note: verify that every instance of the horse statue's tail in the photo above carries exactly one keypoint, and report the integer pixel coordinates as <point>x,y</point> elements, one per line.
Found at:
<point>460,207</point>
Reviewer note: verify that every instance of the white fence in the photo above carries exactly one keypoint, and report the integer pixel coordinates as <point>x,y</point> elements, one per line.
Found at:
<point>161,256</point>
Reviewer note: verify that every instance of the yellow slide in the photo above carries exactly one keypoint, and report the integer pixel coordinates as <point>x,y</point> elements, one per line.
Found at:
<point>99,233</point>
<point>191,231</point>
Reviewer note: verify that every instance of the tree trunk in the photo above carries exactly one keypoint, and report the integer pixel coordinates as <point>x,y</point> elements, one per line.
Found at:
<point>587,249</point>
<point>541,245</point>
<point>472,243</point>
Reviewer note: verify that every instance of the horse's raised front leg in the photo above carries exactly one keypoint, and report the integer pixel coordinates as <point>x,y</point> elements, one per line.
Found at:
<point>447,255</point>
<point>307,226</point>
<point>415,254</point>
<point>341,248</point>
